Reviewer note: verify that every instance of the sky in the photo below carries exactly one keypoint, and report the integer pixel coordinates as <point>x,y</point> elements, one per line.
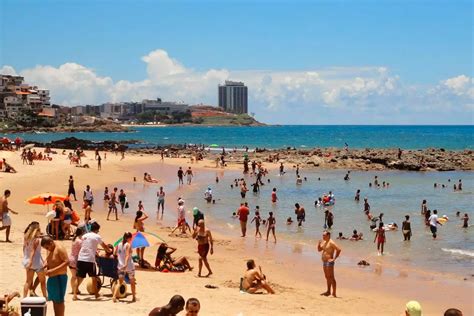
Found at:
<point>304,62</point>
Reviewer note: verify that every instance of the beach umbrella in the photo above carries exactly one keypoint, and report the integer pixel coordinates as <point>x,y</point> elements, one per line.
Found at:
<point>142,239</point>
<point>46,198</point>
<point>213,145</point>
<point>29,146</point>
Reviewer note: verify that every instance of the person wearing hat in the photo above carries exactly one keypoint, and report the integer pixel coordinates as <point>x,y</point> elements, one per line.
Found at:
<point>413,308</point>
<point>197,215</point>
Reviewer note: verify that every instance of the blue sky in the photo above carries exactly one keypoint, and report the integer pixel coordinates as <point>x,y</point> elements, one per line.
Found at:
<point>420,43</point>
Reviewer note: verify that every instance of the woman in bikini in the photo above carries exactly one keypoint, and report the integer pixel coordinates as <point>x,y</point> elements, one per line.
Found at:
<point>205,243</point>
<point>140,227</point>
<point>271,222</point>
<point>380,238</point>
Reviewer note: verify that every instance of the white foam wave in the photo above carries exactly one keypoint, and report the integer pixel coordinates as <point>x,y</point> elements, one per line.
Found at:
<point>459,252</point>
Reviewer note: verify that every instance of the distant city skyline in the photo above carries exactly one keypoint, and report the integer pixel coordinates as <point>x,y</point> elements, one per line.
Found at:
<point>304,62</point>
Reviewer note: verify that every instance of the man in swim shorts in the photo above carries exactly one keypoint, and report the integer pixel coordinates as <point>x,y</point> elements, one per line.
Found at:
<point>4,216</point>
<point>330,251</point>
<point>57,262</point>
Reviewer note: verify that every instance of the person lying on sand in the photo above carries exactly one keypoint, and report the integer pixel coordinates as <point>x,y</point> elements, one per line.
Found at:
<point>254,279</point>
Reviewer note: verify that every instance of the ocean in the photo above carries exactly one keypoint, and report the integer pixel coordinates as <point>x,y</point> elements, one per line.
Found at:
<point>299,136</point>
<point>452,252</point>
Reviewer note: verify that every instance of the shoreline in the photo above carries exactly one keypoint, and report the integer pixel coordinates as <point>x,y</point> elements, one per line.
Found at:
<point>288,273</point>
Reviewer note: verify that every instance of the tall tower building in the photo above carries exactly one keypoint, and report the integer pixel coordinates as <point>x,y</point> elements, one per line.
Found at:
<point>233,97</point>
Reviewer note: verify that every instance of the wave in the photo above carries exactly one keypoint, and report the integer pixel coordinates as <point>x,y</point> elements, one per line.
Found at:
<point>466,253</point>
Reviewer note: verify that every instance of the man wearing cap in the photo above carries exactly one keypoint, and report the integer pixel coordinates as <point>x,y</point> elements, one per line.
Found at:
<point>197,215</point>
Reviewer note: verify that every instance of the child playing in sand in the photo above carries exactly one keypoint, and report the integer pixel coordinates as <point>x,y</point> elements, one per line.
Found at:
<point>257,219</point>
<point>271,224</point>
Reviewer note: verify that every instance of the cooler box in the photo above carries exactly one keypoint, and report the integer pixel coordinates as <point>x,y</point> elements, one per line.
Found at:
<point>37,305</point>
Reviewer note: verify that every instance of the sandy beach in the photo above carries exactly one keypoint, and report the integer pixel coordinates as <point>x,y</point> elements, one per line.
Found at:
<point>296,278</point>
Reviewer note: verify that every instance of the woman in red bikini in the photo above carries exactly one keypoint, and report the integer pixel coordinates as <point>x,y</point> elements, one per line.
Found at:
<point>380,237</point>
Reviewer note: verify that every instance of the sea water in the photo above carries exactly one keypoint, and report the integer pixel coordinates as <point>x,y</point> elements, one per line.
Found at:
<point>451,252</point>
<point>300,136</point>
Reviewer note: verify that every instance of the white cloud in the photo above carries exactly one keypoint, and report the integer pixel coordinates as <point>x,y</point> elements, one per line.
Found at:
<point>320,96</point>
<point>8,70</point>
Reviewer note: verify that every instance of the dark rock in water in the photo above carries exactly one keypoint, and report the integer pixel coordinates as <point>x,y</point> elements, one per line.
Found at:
<point>73,143</point>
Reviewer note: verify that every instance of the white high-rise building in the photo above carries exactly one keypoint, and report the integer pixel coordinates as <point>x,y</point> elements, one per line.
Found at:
<point>233,97</point>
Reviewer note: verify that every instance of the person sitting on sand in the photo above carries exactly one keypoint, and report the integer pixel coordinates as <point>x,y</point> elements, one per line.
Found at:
<point>254,279</point>
<point>164,259</point>
<point>7,167</point>
<point>175,306</point>
<point>147,178</point>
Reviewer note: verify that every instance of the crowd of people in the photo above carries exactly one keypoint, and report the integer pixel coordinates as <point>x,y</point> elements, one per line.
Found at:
<point>87,244</point>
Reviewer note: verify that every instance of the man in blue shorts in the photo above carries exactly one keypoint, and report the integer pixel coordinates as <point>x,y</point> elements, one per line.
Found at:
<point>56,270</point>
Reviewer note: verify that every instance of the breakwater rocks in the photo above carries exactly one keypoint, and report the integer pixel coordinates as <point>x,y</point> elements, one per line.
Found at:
<point>319,158</point>
<point>336,158</point>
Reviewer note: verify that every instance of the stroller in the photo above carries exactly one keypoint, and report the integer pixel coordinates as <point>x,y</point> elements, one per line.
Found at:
<point>108,269</point>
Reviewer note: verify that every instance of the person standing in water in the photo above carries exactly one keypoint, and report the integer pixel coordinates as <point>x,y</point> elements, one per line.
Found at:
<point>257,219</point>
<point>300,214</point>
<point>406,228</point>
<point>271,224</point>
<point>180,176</point>
<point>161,201</point>
<point>380,238</point>
<point>330,251</point>
<point>357,196</point>
<point>189,176</point>
<point>424,207</point>
<point>433,221</point>
<point>274,195</point>
<point>366,205</point>
<point>243,213</point>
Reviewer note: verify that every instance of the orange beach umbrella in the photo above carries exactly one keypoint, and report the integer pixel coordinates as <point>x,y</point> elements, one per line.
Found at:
<point>46,198</point>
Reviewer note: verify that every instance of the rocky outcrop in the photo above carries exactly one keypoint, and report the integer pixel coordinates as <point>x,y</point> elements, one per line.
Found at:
<point>317,158</point>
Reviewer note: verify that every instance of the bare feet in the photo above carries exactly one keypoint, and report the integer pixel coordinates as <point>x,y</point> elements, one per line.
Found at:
<point>134,299</point>
<point>325,294</point>
<point>209,274</point>
<point>114,300</point>
<point>75,298</point>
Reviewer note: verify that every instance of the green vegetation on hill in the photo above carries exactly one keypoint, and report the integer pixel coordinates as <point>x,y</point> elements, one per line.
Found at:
<point>241,119</point>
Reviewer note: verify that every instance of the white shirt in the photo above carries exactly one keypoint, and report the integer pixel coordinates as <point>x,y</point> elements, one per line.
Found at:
<point>88,195</point>
<point>90,241</point>
<point>122,255</point>
<point>433,220</point>
<point>181,212</point>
